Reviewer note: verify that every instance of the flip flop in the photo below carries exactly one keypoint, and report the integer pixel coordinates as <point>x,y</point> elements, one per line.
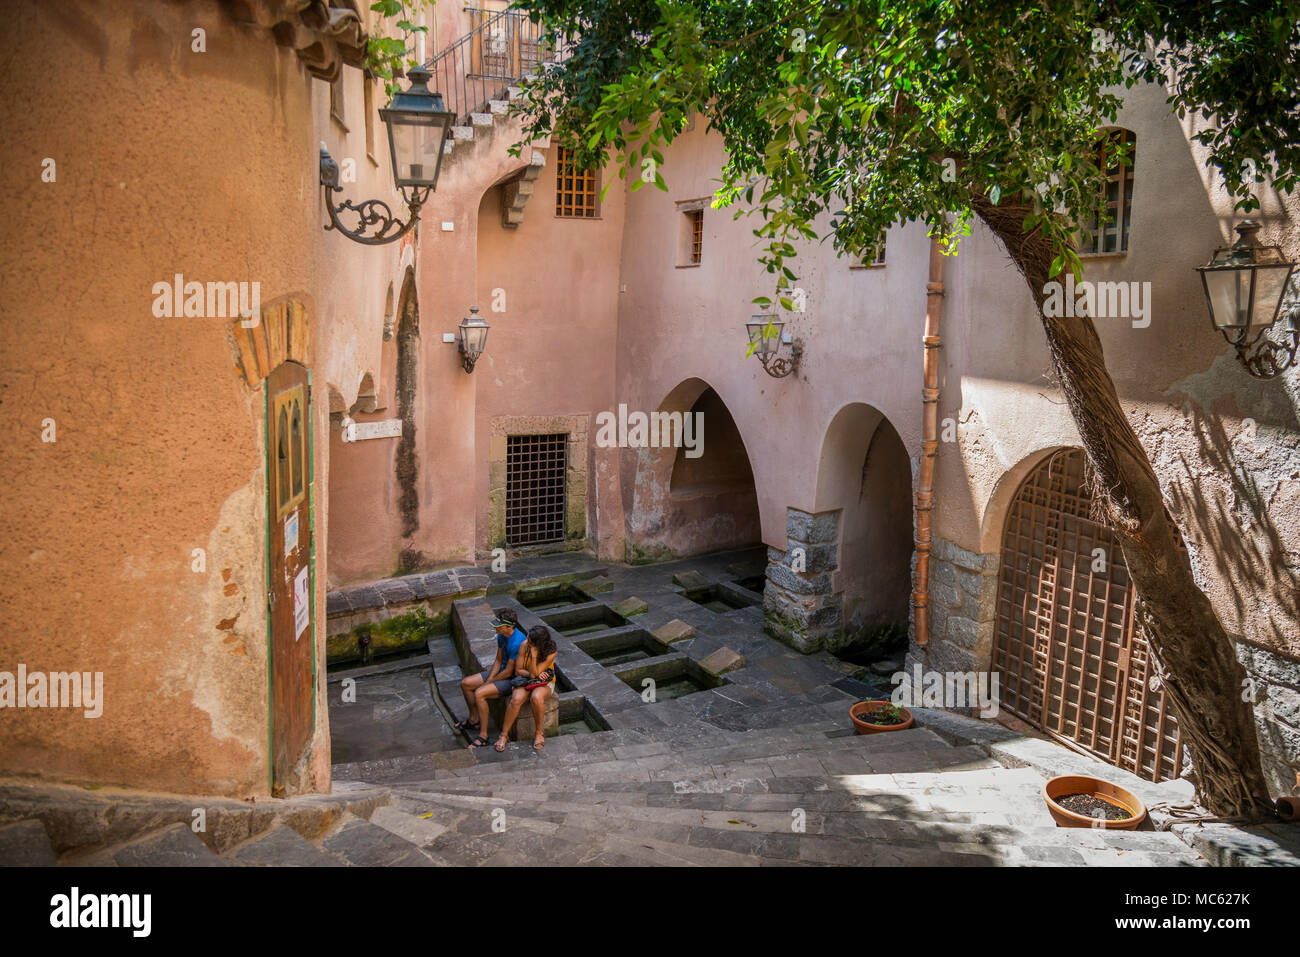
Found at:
<point>500,745</point>
<point>479,742</point>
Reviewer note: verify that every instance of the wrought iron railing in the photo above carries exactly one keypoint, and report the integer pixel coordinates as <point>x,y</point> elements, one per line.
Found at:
<point>500,51</point>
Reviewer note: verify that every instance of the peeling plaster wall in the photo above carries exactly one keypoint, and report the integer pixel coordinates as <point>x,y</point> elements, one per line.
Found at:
<point>1226,447</point>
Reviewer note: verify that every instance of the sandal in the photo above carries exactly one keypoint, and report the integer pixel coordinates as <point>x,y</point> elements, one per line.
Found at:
<point>479,742</point>
<point>500,745</point>
<point>465,726</point>
<point>539,742</point>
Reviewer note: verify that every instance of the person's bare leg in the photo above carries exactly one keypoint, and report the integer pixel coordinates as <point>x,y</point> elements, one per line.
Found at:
<point>517,698</point>
<point>481,696</point>
<point>538,701</point>
<point>468,685</point>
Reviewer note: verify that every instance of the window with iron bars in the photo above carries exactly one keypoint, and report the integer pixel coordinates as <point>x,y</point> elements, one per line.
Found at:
<point>536,467</point>
<point>1111,236</point>
<point>576,190</point>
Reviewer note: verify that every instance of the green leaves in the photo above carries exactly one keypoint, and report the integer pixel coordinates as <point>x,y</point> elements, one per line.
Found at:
<point>386,55</point>
<point>846,126</point>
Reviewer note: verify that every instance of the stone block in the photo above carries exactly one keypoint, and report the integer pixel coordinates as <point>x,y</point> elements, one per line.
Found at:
<point>722,661</point>
<point>799,584</point>
<point>675,630</point>
<point>812,529</point>
<point>496,474</point>
<point>690,580</point>
<point>631,606</point>
<point>593,586</point>
<point>944,595</point>
<point>963,632</point>
<point>820,558</point>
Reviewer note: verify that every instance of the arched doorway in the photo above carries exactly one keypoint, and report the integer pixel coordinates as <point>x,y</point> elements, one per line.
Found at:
<point>865,472</point>
<point>698,496</point>
<point>1072,659</point>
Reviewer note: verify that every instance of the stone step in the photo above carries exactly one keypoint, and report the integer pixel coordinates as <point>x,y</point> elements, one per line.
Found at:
<point>364,844</point>
<point>770,832</point>
<point>173,846</point>
<point>282,847</point>
<point>26,844</point>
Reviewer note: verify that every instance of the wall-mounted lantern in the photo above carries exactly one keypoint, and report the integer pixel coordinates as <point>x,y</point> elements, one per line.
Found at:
<point>1246,286</point>
<point>767,344</point>
<point>473,337</point>
<point>418,125</point>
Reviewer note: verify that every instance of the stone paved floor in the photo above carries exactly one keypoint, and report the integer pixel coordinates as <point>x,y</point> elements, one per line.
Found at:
<point>762,770</point>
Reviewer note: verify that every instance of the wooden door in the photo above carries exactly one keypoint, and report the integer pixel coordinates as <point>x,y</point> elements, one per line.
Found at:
<point>1072,659</point>
<point>290,591</point>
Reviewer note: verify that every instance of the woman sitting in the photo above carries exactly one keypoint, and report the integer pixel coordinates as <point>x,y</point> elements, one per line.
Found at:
<point>534,680</point>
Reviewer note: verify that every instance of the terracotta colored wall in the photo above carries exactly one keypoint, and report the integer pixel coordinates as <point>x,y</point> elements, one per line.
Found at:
<point>169,161</point>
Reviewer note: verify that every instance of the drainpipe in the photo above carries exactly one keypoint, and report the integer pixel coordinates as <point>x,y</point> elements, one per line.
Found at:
<point>929,442</point>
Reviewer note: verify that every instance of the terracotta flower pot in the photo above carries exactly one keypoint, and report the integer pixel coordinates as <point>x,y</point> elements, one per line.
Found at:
<point>868,707</point>
<point>1094,787</point>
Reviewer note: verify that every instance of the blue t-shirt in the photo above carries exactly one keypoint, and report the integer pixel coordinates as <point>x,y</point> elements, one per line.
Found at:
<point>510,646</point>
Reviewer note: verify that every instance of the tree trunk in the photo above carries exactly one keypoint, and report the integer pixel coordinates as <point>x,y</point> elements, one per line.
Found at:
<point>1191,650</point>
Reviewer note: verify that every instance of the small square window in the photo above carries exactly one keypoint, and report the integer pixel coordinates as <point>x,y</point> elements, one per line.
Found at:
<point>875,256</point>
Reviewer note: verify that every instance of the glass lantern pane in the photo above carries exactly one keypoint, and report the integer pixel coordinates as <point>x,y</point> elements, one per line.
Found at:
<point>475,339</point>
<point>1270,283</point>
<point>416,141</point>
<point>1229,291</point>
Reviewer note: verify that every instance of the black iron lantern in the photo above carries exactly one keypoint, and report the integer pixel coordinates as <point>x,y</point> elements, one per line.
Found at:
<point>418,125</point>
<point>473,338</point>
<point>1246,289</point>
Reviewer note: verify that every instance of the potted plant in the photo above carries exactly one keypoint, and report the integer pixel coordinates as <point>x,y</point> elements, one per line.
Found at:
<point>1079,800</point>
<point>870,717</point>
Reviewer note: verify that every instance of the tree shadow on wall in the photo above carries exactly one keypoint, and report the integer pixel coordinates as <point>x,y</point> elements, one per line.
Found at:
<point>1242,542</point>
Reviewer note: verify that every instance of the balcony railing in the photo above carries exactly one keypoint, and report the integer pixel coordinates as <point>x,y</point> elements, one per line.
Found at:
<point>501,50</point>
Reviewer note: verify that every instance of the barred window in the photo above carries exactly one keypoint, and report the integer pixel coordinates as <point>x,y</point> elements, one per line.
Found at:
<point>575,190</point>
<point>1111,236</point>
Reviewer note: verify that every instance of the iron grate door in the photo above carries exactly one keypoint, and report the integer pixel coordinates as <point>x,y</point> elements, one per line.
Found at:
<point>1072,658</point>
<point>535,488</point>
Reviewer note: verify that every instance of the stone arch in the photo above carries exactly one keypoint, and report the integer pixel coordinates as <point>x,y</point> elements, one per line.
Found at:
<point>864,473</point>
<point>1004,493</point>
<point>690,504</point>
<point>367,397</point>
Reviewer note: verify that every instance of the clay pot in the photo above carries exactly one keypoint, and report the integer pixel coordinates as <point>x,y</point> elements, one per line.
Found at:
<point>1288,808</point>
<point>1083,784</point>
<point>866,727</point>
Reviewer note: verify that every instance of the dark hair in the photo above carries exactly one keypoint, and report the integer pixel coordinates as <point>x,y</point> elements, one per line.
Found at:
<point>540,638</point>
<point>509,614</point>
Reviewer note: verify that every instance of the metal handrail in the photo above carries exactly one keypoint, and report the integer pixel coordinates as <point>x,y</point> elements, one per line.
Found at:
<point>502,51</point>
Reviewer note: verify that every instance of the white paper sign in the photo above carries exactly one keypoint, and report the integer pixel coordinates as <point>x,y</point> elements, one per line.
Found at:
<point>301,604</point>
<point>290,534</point>
<point>385,429</point>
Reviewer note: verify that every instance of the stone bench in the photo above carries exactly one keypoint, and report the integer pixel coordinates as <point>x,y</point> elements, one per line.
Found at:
<point>523,729</point>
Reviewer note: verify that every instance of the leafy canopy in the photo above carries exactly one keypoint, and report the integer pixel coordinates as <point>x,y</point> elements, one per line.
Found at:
<point>872,112</point>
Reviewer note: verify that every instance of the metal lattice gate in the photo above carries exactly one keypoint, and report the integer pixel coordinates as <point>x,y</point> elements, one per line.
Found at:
<point>1072,658</point>
<point>535,488</point>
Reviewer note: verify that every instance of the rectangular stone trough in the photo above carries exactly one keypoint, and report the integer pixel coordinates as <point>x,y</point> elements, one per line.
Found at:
<point>673,677</point>
<point>551,596</point>
<point>724,597</point>
<point>579,716</point>
<point>583,619</point>
<point>624,645</point>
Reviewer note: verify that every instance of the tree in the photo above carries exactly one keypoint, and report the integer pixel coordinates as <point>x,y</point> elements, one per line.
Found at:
<point>842,118</point>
